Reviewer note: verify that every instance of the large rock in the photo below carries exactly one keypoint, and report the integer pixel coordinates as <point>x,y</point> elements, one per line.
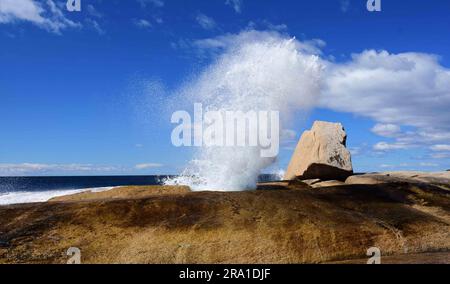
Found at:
<point>321,153</point>
<point>294,223</point>
<point>433,178</point>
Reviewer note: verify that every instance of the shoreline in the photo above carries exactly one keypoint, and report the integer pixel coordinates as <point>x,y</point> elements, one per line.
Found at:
<point>39,196</point>
<point>31,197</point>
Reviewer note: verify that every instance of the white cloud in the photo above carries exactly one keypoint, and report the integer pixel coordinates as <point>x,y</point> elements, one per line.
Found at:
<point>354,151</point>
<point>409,165</point>
<point>93,12</point>
<point>95,26</point>
<point>440,156</point>
<point>48,16</point>
<point>410,89</point>
<point>7,169</point>
<point>28,10</point>
<point>401,165</point>
<point>440,147</point>
<point>425,164</point>
<point>142,23</point>
<point>147,166</point>
<point>36,168</point>
<point>205,22</point>
<point>386,130</point>
<point>235,4</point>
<point>384,146</point>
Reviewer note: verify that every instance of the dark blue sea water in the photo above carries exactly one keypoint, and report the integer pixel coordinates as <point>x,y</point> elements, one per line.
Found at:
<point>73,182</point>
<point>38,189</point>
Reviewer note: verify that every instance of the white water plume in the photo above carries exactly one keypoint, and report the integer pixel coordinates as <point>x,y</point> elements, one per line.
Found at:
<point>255,71</point>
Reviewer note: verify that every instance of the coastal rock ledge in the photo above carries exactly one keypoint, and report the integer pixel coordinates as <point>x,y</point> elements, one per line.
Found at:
<point>321,154</point>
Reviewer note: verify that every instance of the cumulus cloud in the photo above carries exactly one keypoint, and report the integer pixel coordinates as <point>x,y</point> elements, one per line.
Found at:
<point>47,16</point>
<point>386,130</point>
<point>385,146</point>
<point>148,166</point>
<point>205,22</point>
<point>410,89</point>
<point>235,4</point>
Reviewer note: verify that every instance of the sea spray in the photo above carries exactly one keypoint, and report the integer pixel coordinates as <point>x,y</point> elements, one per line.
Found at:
<point>256,71</point>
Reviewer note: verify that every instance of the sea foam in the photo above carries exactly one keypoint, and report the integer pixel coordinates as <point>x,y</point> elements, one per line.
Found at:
<point>19,197</point>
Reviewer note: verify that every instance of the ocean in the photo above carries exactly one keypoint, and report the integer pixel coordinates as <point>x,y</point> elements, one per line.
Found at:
<point>15,190</point>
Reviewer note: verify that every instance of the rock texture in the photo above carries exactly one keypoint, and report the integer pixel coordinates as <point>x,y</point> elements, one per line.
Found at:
<point>327,183</point>
<point>321,153</point>
<point>278,223</point>
<point>441,179</point>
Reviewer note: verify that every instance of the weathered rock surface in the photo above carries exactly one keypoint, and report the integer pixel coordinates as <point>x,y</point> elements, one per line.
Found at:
<point>327,183</point>
<point>321,154</point>
<point>436,178</point>
<point>311,182</point>
<point>279,223</point>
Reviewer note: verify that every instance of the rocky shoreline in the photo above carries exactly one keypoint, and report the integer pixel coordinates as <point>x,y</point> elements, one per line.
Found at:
<point>406,215</point>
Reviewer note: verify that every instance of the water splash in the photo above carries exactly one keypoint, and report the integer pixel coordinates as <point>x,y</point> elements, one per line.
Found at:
<point>259,71</point>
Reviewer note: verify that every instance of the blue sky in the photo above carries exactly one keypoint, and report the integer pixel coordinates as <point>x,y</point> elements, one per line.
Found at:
<point>74,85</point>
